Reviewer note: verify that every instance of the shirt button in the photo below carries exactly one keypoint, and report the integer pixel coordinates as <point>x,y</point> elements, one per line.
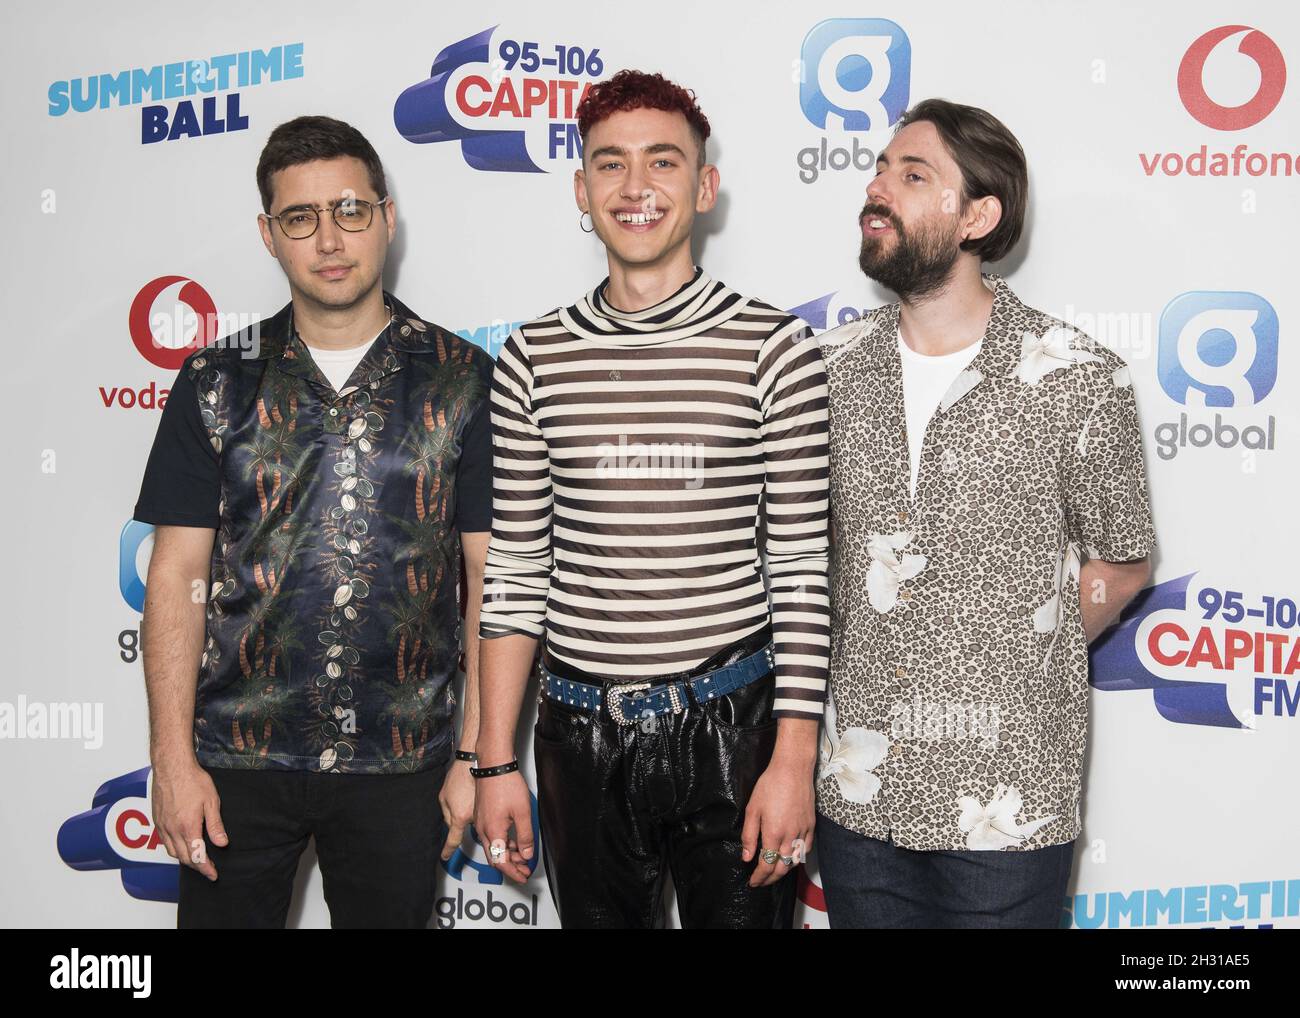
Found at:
<point>905,595</point>
<point>900,672</point>
<point>896,749</point>
<point>902,516</point>
<point>405,330</point>
<point>334,411</point>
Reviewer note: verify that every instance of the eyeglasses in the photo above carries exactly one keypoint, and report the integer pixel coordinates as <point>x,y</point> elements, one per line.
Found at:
<point>352,214</point>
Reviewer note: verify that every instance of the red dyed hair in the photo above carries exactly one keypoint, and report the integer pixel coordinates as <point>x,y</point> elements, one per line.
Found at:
<point>636,90</point>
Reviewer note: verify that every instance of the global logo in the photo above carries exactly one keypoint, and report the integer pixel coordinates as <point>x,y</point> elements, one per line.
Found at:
<point>827,311</point>
<point>134,548</point>
<point>117,833</point>
<point>1215,46</point>
<point>484,871</point>
<point>1218,349</point>
<point>512,105</point>
<point>166,337</point>
<point>855,74</point>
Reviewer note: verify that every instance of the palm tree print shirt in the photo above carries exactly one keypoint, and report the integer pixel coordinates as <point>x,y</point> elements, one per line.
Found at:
<point>332,631</point>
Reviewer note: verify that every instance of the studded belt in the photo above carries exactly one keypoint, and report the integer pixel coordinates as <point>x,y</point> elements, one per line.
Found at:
<point>627,702</point>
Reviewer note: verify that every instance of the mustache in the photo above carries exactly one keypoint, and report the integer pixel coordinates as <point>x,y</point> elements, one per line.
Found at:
<point>870,211</point>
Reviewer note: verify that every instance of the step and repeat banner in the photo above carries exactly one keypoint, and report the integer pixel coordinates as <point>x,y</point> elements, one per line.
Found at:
<point>1164,151</point>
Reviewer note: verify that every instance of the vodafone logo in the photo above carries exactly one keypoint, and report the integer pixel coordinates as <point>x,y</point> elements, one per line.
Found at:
<point>167,336</point>
<point>1253,44</point>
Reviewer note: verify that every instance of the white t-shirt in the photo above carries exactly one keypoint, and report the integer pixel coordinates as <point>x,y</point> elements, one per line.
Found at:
<point>338,365</point>
<point>925,380</point>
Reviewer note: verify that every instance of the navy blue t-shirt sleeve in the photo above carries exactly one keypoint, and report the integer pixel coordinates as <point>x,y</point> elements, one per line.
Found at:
<point>182,481</point>
<point>474,474</point>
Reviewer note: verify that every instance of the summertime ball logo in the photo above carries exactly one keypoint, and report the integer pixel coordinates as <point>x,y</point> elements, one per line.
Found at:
<point>1272,78</point>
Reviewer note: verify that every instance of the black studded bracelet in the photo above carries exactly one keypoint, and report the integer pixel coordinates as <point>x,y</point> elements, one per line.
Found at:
<point>492,772</point>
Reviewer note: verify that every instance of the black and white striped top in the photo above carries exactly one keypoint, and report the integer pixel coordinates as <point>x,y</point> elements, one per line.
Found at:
<point>632,451</point>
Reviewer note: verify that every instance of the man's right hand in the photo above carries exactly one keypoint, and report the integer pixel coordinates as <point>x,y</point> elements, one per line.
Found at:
<point>503,802</point>
<point>185,801</point>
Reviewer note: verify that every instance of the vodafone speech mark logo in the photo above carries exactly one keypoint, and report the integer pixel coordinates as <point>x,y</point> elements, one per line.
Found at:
<point>1253,44</point>
<point>167,336</point>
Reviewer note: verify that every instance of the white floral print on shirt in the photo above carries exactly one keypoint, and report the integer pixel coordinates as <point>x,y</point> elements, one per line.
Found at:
<point>850,759</point>
<point>1047,618</point>
<point>993,825</point>
<point>1041,355</point>
<point>888,569</point>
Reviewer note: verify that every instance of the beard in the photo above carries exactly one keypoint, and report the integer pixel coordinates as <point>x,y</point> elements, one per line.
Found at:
<point>918,266</point>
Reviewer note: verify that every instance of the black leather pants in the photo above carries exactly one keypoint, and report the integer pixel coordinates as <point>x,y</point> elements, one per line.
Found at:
<point>618,803</point>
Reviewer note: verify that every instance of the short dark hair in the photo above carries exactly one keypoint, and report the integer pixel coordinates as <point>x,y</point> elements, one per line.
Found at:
<point>637,90</point>
<point>991,163</point>
<point>306,139</point>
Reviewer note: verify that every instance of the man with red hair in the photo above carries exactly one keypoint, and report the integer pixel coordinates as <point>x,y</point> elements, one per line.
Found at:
<point>639,436</point>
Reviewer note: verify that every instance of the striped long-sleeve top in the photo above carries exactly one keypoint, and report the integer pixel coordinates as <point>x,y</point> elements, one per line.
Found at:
<point>633,454</point>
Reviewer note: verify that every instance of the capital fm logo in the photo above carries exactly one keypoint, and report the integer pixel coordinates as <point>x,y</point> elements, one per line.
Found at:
<point>1248,43</point>
<point>854,77</point>
<point>1217,349</point>
<point>1211,655</point>
<point>117,833</point>
<point>1229,79</point>
<point>512,104</point>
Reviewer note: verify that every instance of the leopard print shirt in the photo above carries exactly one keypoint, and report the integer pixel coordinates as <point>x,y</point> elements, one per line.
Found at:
<point>958,705</point>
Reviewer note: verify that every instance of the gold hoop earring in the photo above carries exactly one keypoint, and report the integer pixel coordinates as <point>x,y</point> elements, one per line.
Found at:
<point>583,228</point>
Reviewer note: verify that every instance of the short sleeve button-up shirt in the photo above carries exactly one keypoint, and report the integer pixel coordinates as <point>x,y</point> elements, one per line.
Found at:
<point>332,620</point>
<point>959,666</point>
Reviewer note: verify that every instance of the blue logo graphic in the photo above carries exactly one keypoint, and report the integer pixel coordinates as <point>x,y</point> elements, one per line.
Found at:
<point>129,580</point>
<point>1218,349</point>
<point>828,311</point>
<point>504,102</point>
<point>117,833</point>
<point>856,74</point>
<point>1116,664</point>
<point>486,872</point>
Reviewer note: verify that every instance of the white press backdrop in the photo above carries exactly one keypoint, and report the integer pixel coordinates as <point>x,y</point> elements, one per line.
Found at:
<point>1137,233</point>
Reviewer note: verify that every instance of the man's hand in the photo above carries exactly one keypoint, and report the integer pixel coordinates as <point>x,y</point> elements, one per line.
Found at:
<point>503,802</point>
<point>781,811</point>
<point>185,801</point>
<point>1105,588</point>
<point>457,802</point>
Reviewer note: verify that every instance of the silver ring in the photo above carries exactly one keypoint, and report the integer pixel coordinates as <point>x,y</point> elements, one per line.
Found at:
<point>497,851</point>
<point>770,855</point>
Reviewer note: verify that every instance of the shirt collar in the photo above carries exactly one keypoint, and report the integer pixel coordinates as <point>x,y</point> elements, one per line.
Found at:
<point>406,333</point>
<point>999,352</point>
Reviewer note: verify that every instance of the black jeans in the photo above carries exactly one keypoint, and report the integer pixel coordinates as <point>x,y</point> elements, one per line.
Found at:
<point>619,804</point>
<point>378,840</point>
<point>874,884</point>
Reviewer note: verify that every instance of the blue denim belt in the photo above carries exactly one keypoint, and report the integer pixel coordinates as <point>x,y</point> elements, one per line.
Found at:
<point>627,702</point>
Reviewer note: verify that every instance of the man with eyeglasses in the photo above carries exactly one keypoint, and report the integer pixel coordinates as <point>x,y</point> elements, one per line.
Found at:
<point>313,483</point>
